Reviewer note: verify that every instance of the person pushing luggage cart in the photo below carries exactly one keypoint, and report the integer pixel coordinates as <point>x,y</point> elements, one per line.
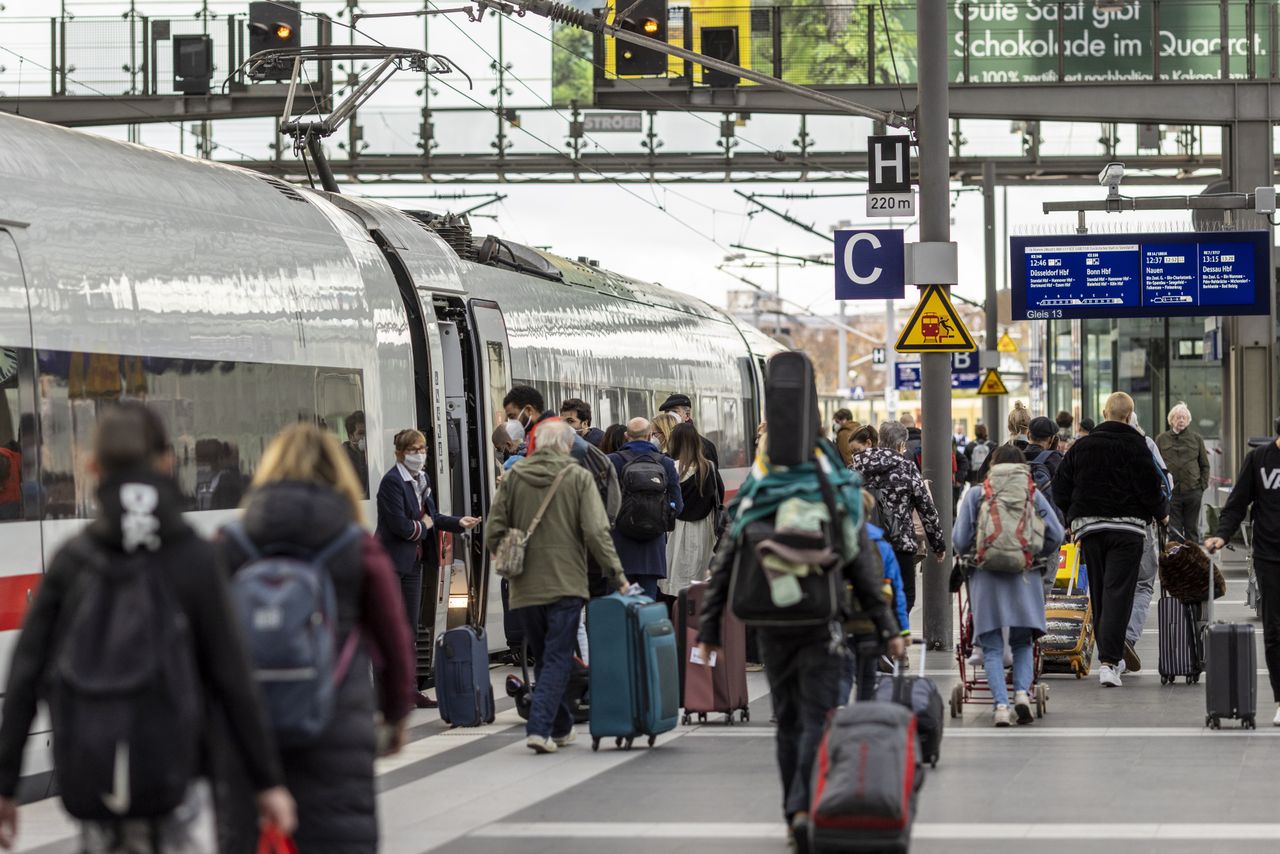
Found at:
<point>1013,531</point>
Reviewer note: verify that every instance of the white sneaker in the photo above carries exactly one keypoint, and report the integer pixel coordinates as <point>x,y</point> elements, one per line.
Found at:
<point>567,739</point>
<point>1122,667</point>
<point>1002,715</point>
<point>1109,677</point>
<point>1022,707</point>
<point>1276,720</point>
<point>538,744</point>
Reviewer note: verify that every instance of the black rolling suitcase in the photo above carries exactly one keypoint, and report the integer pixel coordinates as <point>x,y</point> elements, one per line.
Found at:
<point>921,696</point>
<point>1231,675</point>
<point>791,409</point>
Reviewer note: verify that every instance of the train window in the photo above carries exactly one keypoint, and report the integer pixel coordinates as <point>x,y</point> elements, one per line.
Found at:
<point>608,408</point>
<point>220,417</point>
<point>340,395</point>
<point>18,495</point>
<point>638,404</point>
<point>733,451</point>
<point>706,416</point>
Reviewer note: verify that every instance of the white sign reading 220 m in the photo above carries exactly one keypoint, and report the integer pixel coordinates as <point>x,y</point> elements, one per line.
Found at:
<point>1141,275</point>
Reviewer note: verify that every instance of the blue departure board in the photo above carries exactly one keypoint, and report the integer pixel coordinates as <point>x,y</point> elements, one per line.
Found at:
<point>1141,275</point>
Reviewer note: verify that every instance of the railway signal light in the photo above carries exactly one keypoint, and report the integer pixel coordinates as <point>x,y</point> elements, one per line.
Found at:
<point>192,64</point>
<point>646,18</point>
<point>274,24</point>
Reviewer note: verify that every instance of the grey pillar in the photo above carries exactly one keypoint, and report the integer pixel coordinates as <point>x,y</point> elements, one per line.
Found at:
<point>935,368</point>
<point>1248,358</point>
<point>991,405</point>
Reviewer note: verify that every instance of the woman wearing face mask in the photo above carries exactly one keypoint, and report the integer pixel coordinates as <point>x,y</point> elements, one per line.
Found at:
<point>407,525</point>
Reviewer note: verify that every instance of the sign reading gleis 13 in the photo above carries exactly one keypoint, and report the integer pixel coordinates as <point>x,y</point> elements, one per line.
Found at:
<point>1195,274</point>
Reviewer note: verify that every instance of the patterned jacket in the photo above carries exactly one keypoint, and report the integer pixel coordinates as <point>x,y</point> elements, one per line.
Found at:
<point>899,483</point>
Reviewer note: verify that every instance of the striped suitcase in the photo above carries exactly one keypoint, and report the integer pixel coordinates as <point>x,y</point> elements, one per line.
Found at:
<point>1181,653</point>
<point>1067,645</point>
<point>635,675</point>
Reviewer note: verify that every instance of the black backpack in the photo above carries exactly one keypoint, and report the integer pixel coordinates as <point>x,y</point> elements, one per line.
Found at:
<point>646,513</point>
<point>881,516</point>
<point>124,693</point>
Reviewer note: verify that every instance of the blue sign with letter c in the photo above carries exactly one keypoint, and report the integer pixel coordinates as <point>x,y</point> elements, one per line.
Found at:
<point>869,264</point>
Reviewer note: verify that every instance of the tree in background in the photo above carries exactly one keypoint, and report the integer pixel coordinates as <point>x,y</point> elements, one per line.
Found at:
<point>571,68</point>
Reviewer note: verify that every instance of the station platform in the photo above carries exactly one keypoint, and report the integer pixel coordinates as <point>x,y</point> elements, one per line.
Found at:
<point>1130,769</point>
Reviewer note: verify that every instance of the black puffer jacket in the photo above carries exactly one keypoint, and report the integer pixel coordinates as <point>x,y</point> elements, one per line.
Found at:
<point>332,779</point>
<point>1110,474</point>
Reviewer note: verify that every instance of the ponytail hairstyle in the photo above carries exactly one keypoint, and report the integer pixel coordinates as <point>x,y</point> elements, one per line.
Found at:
<point>1019,419</point>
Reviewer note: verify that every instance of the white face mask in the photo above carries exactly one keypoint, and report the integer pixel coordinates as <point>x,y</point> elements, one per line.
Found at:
<point>415,462</point>
<point>360,445</point>
<point>515,430</point>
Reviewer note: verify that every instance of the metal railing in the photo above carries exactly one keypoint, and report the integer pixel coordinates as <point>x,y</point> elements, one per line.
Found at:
<point>998,41</point>
<point>131,54</point>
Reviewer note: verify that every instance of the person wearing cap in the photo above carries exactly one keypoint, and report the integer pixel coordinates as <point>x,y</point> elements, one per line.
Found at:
<point>1086,426</point>
<point>681,407</point>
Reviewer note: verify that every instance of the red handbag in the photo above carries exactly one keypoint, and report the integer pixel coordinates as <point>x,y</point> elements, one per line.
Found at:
<point>272,841</point>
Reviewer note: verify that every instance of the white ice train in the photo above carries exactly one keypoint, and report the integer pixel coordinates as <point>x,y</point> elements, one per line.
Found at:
<point>235,304</point>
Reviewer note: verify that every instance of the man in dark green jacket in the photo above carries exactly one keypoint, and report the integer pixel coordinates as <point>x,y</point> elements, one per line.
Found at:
<point>551,592</point>
<point>1188,462</point>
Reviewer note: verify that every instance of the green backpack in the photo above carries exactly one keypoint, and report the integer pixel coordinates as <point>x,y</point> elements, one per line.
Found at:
<point>1010,533</point>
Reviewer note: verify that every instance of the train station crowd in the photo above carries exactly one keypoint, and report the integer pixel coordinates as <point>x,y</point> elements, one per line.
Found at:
<point>274,662</point>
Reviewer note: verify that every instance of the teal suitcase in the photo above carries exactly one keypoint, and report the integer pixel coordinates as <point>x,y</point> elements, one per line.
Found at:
<point>635,673</point>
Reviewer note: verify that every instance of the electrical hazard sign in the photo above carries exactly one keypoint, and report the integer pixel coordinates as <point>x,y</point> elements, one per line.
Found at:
<point>992,384</point>
<point>935,327</point>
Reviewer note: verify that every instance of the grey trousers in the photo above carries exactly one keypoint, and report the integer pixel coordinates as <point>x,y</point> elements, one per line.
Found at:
<point>1147,571</point>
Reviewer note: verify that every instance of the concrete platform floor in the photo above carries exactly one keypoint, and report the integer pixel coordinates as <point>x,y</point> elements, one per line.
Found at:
<point>1130,769</point>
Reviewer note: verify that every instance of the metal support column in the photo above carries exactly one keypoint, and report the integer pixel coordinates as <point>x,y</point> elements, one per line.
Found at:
<point>935,368</point>
<point>991,404</point>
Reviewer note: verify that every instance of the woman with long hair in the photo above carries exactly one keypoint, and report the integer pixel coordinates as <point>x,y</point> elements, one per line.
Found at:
<point>690,545</point>
<point>305,500</point>
<point>663,424</point>
<point>615,436</point>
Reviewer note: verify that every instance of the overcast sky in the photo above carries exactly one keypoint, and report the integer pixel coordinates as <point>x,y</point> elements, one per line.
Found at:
<point>675,234</point>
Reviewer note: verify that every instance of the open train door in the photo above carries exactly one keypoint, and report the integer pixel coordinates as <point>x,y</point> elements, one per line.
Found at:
<point>492,358</point>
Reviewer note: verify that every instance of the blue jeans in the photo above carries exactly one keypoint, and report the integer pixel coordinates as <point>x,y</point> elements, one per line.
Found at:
<point>804,678</point>
<point>648,584</point>
<point>551,631</point>
<point>993,659</point>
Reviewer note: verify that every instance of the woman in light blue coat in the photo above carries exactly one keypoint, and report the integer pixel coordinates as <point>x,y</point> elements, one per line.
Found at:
<point>1003,600</point>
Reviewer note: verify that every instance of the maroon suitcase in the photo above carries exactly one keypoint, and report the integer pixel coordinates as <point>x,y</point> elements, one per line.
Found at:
<point>722,687</point>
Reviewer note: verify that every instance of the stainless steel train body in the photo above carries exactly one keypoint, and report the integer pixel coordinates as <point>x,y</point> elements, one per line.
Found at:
<point>236,304</point>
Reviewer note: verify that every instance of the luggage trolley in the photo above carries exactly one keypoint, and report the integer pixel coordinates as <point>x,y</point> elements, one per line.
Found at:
<point>974,688</point>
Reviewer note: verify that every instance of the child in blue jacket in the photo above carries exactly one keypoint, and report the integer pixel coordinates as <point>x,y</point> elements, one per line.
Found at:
<point>864,648</point>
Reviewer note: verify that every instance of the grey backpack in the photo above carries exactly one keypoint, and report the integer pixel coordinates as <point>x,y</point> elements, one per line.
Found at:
<point>1009,532</point>
<point>288,613</point>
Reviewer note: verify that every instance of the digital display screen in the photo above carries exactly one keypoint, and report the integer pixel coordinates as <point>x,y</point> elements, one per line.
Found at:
<point>1141,275</point>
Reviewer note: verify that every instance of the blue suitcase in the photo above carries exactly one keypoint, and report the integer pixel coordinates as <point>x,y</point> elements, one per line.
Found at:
<point>635,672</point>
<point>462,677</point>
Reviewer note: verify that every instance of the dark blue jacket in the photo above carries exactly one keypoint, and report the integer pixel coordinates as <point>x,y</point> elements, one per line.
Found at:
<point>647,557</point>
<point>400,528</point>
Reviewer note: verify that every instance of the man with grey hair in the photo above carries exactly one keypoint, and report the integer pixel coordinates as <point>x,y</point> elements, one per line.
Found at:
<point>1188,462</point>
<point>551,591</point>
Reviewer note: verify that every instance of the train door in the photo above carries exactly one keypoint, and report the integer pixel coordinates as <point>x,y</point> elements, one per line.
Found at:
<point>492,357</point>
<point>22,558</point>
<point>457,551</point>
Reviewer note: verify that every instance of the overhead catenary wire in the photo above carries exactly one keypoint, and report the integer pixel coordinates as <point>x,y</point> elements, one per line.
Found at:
<point>652,182</point>
<point>807,161</point>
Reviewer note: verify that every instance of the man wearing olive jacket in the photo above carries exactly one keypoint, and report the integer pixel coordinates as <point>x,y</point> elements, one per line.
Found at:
<point>1187,459</point>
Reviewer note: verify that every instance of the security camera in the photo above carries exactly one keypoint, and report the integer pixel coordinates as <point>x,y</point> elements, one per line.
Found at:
<point>1111,176</point>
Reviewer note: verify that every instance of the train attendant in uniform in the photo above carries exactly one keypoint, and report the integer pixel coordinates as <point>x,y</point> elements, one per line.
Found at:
<point>407,526</point>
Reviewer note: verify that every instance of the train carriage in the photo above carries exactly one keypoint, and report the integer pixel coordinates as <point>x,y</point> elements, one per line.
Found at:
<point>235,304</point>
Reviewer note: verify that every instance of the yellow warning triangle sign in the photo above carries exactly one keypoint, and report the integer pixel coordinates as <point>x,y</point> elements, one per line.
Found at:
<point>1006,344</point>
<point>935,327</point>
<point>992,384</point>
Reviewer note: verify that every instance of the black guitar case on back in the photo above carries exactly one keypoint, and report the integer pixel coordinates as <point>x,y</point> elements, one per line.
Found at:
<point>791,409</point>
